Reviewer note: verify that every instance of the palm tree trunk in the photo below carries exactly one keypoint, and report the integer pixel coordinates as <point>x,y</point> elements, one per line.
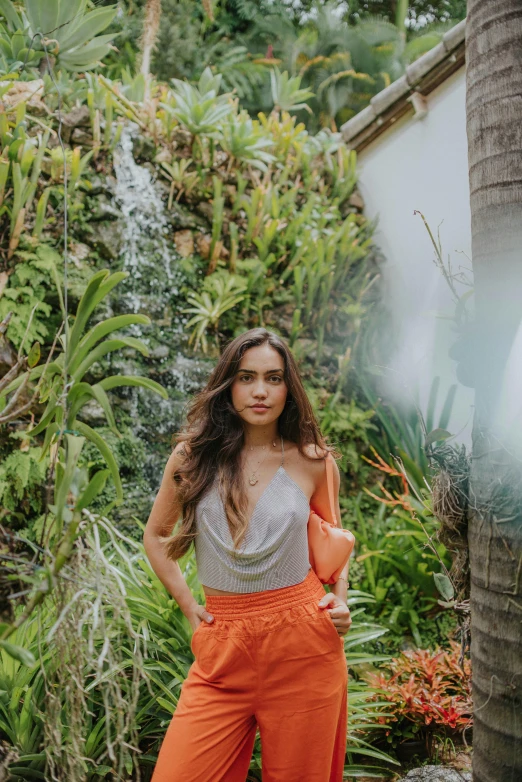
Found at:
<point>494,127</point>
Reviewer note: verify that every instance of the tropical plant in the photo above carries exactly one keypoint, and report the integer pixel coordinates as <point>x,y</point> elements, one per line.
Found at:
<point>399,553</point>
<point>23,298</point>
<point>200,109</point>
<point>221,292</point>
<point>181,178</point>
<point>286,92</point>
<point>81,351</point>
<point>62,385</point>
<point>427,695</point>
<point>72,712</point>
<point>14,52</point>
<point>404,431</point>
<point>244,141</point>
<point>21,159</point>
<point>22,474</point>
<point>67,32</point>
<point>133,87</point>
<point>242,74</point>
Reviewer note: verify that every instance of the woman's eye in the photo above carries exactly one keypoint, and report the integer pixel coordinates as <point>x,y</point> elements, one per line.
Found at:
<point>274,377</point>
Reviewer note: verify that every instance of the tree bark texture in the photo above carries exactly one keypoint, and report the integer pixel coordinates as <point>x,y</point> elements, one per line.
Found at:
<point>494,128</point>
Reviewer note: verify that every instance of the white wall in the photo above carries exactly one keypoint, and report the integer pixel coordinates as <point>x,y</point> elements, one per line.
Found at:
<point>422,164</point>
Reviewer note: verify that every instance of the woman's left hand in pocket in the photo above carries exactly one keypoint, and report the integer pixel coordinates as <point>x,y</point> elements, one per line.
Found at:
<point>338,610</point>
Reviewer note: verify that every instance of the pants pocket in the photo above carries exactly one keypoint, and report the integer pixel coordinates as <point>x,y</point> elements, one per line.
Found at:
<point>195,636</point>
<point>332,630</point>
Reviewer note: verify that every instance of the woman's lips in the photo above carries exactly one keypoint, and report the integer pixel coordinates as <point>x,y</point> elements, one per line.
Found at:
<point>259,409</point>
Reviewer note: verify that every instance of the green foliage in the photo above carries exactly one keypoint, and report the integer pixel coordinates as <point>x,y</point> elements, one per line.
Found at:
<point>286,92</point>
<point>285,247</point>
<point>221,292</point>
<point>131,459</point>
<point>71,29</point>
<point>200,109</point>
<point>132,651</point>
<point>241,74</point>
<point>20,166</point>
<point>22,474</point>
<point>244,140</point>
<point>404,430</point>
<point>62,385</point>
<point>14,51</point>
<point>83,349</point>
<point>398,554</point>
<point>27,295</point>
<point>427,696</point>
<point>21,695</point>
<point>345,424</point>
<point>344,53</point>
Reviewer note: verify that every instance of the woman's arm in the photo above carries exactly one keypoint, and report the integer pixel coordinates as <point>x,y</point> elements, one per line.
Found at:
<point>320,502</point>
<point>163,517</point>
<point>336,597</point>
<point>340,588</point>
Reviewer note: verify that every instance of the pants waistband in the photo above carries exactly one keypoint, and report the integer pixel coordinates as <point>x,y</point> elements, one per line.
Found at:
<point>265,602</point>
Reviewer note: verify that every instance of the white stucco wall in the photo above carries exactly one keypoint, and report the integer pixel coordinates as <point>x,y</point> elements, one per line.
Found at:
<point>422,164</point>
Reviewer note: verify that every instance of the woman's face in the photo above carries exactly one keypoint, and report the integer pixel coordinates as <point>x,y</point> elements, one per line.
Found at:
<point>259,381</point>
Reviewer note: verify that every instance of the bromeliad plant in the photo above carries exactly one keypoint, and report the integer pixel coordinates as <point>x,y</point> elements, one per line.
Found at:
<point>199,108</point>
<point>427,695</point>
<point>21,158</point>
<point>220,293</point>
<point>244,140</point>
<point>69,32</point>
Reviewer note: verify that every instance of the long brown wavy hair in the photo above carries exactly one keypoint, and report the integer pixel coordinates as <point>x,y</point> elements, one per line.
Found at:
<point>214,435</point>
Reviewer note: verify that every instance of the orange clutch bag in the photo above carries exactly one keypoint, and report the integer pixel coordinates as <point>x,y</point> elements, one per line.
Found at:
<point>329,545</point>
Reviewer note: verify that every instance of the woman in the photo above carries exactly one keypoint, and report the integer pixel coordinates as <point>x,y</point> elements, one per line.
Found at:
<point>268,645</point>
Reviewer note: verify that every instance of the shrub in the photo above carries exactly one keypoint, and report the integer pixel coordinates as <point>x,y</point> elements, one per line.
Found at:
<point>428,695</point>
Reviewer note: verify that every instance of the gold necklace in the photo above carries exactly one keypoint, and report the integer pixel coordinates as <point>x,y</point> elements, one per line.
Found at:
<point>253,479</point>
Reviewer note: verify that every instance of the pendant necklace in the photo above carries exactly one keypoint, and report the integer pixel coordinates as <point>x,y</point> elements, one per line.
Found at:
<point>253,478</point>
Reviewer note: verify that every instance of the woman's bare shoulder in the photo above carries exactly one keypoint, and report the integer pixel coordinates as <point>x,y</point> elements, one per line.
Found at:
<point>178,455</point>
<point>309,461</point>
<point>182,449</point>
<point>315,452</point>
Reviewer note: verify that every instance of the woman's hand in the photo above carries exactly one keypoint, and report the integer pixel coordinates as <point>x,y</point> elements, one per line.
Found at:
<point>338,610</point>
<point>197,615</point>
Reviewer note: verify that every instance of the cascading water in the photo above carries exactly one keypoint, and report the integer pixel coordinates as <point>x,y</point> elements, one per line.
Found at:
<point>147,254</point>
<point>153,288</point>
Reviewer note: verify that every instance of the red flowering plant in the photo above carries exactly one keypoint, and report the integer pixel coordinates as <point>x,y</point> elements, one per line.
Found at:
<point>429,695</point>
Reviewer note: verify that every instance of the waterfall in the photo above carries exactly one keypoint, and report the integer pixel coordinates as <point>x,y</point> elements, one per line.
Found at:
<point>147,254</point>
<point>154,287</point>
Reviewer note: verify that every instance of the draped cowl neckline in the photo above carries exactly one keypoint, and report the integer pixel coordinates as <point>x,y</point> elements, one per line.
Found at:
<point>274,550</point>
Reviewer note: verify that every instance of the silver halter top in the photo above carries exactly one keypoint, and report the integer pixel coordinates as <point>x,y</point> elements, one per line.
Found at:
<point>274,551</point>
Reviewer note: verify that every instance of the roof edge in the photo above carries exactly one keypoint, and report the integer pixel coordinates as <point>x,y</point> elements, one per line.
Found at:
<point>422,76</point>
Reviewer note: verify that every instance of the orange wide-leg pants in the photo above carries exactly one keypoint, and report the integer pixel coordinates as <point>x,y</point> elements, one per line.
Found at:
<point>272,660</point>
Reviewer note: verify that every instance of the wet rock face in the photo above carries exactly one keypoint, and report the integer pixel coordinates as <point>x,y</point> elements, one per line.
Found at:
<point>180,217</point>
<point>106,239</point>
